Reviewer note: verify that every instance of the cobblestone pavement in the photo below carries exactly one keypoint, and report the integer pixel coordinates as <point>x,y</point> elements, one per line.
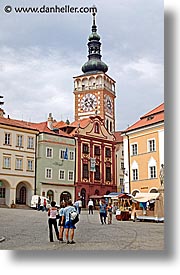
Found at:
<point>28,230</point>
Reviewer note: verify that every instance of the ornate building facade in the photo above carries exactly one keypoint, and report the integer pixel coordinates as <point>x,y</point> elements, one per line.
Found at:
<point>94,93</point>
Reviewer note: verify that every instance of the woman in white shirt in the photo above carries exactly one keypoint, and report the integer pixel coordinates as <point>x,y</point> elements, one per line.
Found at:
<point>52,213</point>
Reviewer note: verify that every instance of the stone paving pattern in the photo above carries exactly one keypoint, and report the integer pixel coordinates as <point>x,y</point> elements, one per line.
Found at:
<point>28,230</point>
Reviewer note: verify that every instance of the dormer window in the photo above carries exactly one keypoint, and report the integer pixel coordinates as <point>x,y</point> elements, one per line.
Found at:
<point>150,117</point>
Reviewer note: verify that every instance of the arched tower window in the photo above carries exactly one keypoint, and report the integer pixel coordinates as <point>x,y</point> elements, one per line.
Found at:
<point>96,128</point>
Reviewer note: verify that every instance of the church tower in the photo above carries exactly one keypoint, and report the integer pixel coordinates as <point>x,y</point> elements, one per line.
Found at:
<point>94,90</point>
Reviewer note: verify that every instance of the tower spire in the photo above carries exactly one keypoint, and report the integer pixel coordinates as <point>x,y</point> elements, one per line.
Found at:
<point>94,27</point>
<point>94,63</point>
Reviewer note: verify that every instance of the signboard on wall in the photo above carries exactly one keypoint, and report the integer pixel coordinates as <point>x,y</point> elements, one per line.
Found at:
<point>92,164</point>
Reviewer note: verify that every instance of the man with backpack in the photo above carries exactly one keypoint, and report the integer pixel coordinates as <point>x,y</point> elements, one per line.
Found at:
<point>70,216</point>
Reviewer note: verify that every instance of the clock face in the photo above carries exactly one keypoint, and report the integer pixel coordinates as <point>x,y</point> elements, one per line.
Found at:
<point>88,102</point>
<point>108,104</point>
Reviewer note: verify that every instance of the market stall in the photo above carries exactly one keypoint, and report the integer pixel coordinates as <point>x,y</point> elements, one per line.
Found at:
<point>96,200</point>
<point>123,213</point>
<point>148,206</point>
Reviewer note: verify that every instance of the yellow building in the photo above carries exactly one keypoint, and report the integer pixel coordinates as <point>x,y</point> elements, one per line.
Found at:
<point>17,161</point>
<point>144,152</point>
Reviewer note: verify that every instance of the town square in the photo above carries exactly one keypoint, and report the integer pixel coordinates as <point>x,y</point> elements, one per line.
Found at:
<point>86,154</point>
<point>28,230</point>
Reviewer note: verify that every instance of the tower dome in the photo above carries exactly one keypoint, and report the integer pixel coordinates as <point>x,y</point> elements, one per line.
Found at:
<point>94,63</point>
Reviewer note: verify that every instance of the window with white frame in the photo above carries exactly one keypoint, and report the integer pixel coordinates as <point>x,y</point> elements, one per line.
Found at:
<point>152,172</point>
<point>30,142</point>
<point>7,139</point>
<point>134,149</point>
<point>62,153</point>
<point>71,175</point>
<point>152,168</point>
<point>7,162</point>
<point>151,145</point>
<point>71,155</point>
<point>61,174</point>
<point>19,164</point>
<point>48,173</point>
<point>135,174</point>
<point>49,152</point>
<point>19,141</point>
<point>30,165</point>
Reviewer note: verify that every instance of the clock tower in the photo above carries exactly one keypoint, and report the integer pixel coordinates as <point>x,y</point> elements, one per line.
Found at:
<point>94,90</point>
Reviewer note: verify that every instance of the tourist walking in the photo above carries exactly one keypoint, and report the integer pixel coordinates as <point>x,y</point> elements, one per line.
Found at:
<point>102,212</point>
<point>61,220</point>
<point>90,206</point>
<point>39,204</point>
<point>78,205</point>
<point>52,213</point>
<point>109,213</point>
<point>69,226</point>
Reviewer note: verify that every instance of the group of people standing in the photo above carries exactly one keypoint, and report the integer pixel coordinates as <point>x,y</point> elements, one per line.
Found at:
<point>64,222</point>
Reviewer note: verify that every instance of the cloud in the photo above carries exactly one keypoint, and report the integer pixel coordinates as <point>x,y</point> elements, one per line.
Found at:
<point>35,83</point>
<point>42,53</point>
<point>144,68</point>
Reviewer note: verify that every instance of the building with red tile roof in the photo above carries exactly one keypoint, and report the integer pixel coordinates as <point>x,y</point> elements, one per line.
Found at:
<point>32,158</point>
<point>144,152</point>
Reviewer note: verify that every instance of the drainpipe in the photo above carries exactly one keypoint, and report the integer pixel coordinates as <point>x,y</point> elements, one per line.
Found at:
<point>35,182</point>
<point>129,165</point>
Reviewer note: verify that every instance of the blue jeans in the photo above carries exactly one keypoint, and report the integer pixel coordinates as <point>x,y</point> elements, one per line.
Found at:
<point>103,217</point>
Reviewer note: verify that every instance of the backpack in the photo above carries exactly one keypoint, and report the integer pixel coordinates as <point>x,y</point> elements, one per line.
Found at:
<point>73,216</point>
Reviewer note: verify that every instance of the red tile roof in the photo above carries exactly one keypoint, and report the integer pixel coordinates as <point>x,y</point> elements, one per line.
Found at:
<point>17,123</point>
<point>152,117</point>
<point>118,136</point>
<point>41,127</point>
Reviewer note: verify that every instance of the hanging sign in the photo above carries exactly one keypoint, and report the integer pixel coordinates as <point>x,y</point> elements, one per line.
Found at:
<point>92,164</point>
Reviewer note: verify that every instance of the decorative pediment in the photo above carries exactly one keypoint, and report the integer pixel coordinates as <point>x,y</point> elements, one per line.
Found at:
<point>96,128</point>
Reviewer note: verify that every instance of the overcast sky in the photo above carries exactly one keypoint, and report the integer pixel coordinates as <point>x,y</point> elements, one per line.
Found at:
<point>40,54</point>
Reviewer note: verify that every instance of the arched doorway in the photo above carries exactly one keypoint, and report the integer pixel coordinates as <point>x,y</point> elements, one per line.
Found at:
<point>22,195</point>
<point>65,196</point>
<point>4,192</point>
<point>83,197</point>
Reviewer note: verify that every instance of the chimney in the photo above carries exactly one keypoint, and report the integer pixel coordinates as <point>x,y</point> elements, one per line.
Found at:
<point>50,122</point>
<point>2,113</point>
